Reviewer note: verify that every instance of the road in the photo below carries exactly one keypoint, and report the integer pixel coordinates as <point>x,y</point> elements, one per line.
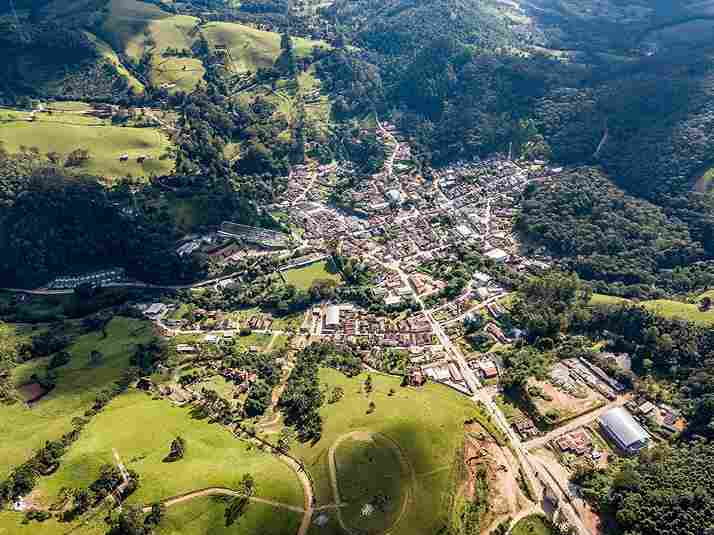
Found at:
<point>221,491</point>
<point>538,479</point>
<point>68,291</point>
<point>574,424</point>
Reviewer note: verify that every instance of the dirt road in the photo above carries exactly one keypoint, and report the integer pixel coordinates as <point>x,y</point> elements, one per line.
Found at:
<point>220,491</point>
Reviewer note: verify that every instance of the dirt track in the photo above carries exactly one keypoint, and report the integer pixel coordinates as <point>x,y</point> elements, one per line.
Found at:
<point>221,491</point>
<point>403,460</point>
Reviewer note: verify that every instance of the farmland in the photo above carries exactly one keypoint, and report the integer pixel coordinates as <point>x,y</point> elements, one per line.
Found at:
<point>65,131</point>
<point>427,425</point>
<point>78,383</point>
<point>214,458</point>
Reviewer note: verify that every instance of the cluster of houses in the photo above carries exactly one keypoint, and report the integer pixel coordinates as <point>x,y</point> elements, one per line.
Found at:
<point>665,416</point>
<point>308,182</point>
<point>351,324</point>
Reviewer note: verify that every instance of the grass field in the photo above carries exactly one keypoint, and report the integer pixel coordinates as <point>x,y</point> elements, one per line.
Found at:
<point>136,27</point>
<point>666,308</point>
<point>532,525</point>
<point>213,456</point>
<point>24,430</point>
<point>250,48</point>
<point>204,516</point>
<point>304,277</point>
<point>368,467</point>
<point>427,424</point>
<point>104,143</point>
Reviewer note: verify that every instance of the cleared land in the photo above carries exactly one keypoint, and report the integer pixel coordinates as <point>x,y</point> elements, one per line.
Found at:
<point>427,425</point>
<point>24,430</point>
<point>305,277</point>
<point>371,482</point>
<point>666,308</point>
<point>532,525</point>
<point>136,27</point>
<point>104,143</point>
<point>214,458</point>
<point>252,49</point>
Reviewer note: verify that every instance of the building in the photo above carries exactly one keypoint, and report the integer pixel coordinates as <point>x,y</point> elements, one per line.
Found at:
<point>333,316</point>
<point>497,255</point>
<point>394,195</point>
<point>621,427</point>
<point>464,231</point>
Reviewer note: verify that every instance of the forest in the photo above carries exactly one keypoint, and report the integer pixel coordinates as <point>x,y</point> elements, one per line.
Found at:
<point>625,245</point>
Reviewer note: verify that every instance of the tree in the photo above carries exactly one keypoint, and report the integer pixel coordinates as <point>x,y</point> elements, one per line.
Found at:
<point>372,407</point>
<point>368,384</point>
<point>177,450</point>
<point>237,505</point>
<point>158,510</point>
<point>130,522</point>
<point>77,158</point>
<point>96,357</point>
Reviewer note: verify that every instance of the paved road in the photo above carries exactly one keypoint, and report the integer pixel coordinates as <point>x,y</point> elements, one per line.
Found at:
<point>199,284</point>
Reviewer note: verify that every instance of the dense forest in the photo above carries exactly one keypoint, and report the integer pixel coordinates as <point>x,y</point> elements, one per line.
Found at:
<point>626,245</point>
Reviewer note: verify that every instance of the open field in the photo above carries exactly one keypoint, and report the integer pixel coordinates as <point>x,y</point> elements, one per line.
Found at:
<point>11,524</point>
<point>666,308</point>
<point>252,49</point>
<point>566,405</point>
<point>357,459</point>
<point>204,516</point>
<point>135,27</point>
<point>213,456</point>
<point>304,277</point>
<point>104,143</point>
<point>427,425</point>
<point>532,525</point>
<point>24,430</point>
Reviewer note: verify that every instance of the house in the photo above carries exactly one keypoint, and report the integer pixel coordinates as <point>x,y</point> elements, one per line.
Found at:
<point>416,377</point>
<point>488,369</point>
<point>185,348</point>
<point>464,231</point>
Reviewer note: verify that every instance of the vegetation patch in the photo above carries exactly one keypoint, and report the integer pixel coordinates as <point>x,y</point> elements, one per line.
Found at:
<point>427,425</point>
<point>77,385</point>
<point>304,277</point>
<point>105,144</point>
<point>371,481</point>
<point>532,525</point>
<point>212,457</point>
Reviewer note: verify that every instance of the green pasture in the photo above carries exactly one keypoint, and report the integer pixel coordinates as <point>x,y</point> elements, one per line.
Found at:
<point>141,430</point>
<point>368,470</point>
<point>427,424</point>
<point>304,277</point>
<point>205,516</point>
<point>23,430</point>
<point>104,143</point>
<point>250,48</point>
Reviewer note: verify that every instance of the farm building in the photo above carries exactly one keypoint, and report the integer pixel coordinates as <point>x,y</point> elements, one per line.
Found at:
<point>621,427</point>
